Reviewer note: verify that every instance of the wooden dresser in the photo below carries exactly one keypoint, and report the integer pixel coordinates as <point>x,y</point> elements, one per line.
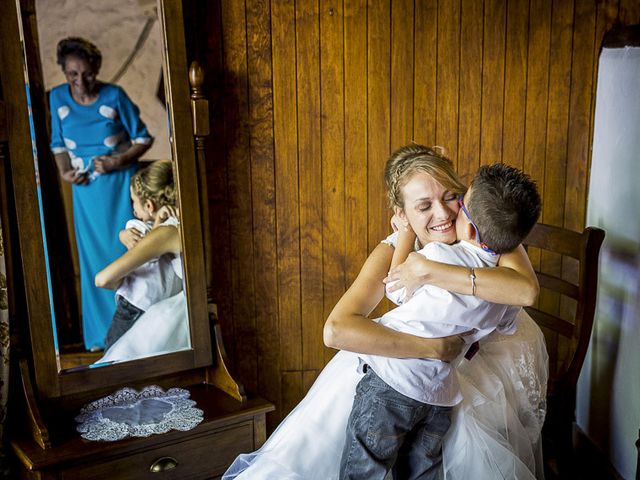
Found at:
<point>229,428</point>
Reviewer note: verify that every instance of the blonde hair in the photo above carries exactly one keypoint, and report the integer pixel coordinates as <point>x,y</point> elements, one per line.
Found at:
<point>155,183</point>
<point>407,160</point>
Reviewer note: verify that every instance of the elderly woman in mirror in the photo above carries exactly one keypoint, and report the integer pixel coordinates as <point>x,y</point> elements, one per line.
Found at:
<point>97,137</point>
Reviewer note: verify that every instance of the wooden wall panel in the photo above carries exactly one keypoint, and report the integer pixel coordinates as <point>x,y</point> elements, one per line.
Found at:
<point>515,82</point>
<point>378,113</point>
<point>402,78</point>
<point>448,77</point>
<point>265,265</point>
<point>237,131</point>
<point>355,133</point>
<point>283,41</point>
<point>493,81</point>
<point>310,181</point>
<point>471,34</point>
<point>333,173</point>
<point>316,94</point>
<point>425,36</point>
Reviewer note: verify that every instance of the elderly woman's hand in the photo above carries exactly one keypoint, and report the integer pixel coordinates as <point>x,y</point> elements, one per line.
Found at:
<point>411,274</point>
<point>107,163</point>
<point>75,176</point>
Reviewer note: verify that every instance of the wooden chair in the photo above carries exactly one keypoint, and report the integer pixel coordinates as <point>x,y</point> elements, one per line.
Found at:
<point>566,263</point>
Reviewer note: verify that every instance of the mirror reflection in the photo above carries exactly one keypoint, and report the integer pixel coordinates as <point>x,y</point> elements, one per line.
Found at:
<point>102,69</point>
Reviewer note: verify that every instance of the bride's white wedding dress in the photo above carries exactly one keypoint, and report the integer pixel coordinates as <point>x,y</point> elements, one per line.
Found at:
<point>495,431</point>
<point>163,328</point>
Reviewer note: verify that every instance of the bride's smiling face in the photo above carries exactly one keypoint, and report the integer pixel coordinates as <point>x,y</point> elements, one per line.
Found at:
<point>430,209</point>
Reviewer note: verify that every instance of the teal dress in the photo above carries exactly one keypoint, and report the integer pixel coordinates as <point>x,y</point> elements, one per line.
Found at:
<point>102,207</point>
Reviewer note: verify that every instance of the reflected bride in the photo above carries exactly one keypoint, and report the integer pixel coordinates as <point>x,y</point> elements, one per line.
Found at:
<point>150,317</point>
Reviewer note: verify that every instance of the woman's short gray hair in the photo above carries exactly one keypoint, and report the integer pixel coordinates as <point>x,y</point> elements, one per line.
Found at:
<point>81,48</point>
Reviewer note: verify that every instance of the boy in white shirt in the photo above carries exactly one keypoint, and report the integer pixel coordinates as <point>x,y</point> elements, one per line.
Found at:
<point>402,406</point>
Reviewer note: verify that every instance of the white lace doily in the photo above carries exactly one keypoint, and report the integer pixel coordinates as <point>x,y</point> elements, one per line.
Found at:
<point>129,413</point>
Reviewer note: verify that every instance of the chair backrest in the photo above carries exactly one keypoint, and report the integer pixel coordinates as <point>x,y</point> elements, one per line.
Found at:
<point>566,263</point>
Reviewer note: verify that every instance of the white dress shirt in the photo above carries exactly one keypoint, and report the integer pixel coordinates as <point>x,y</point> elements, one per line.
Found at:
<point>434,312</point>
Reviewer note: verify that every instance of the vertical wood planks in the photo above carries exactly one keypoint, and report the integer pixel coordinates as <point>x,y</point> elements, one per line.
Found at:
<point>263,194</point>
<point>471,21</point>
<point>448,77</point>
<point>239,205</point>
<point>558,113</point>
<point>537,97</point>
<point>378,121</point>
<point>515,82</point>
<point>493,60</point>
<point>217,172</point>
<point>402,68</point>
<point>285,135</point>
<point>355,133</point>
<point>332,130</point>
<point>557,128</point>
<point>310,180</point>
<point>425,67</point>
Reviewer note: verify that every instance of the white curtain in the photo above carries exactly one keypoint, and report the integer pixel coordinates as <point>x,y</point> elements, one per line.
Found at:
<point>608,404</point>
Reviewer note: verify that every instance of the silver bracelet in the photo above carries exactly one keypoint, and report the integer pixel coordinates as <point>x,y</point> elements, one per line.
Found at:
<point>472,276</point>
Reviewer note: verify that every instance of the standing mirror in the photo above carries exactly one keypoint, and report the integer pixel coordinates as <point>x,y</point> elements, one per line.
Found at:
<point>46,243</point>
<point>129,38</point>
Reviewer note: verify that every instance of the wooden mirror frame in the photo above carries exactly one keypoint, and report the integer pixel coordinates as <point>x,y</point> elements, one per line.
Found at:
<point>50,381</point>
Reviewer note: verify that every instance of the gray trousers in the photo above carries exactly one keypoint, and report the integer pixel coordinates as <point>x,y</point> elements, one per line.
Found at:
<point>389,430</point>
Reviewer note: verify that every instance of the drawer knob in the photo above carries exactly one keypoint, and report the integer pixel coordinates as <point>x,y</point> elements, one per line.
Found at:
<point>163,464</point>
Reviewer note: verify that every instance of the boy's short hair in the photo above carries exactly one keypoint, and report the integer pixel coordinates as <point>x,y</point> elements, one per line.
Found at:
<point>504,205</point>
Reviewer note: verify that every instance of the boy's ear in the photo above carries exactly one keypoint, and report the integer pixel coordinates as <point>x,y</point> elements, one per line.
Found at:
<point>470,232</point>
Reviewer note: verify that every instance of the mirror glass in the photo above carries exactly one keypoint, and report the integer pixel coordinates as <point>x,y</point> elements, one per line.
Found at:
<point>98,216</point>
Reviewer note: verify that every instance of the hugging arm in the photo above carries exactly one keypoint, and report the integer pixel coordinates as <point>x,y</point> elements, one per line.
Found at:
<point>116,161</point>
<point>348,327</point>
<point>513,282</point>
<point>157,242</point>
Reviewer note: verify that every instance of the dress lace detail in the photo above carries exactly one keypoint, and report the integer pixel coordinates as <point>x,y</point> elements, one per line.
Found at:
<point>528,374</point>
<point>129,413</point>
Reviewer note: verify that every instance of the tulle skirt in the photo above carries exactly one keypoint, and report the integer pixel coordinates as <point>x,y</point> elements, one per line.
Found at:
<point>495,431</point>
<point>164,328</point>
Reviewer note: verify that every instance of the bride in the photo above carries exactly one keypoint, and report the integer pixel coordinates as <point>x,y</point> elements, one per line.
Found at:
<point>495,431</point>
<point>164,327</point>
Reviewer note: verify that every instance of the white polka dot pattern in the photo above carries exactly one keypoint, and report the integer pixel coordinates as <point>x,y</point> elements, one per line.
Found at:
<point>107,112</point>
<point>70,143</point>
<point>77,162</point>
<point>63,111</point>
<point>112,140</point>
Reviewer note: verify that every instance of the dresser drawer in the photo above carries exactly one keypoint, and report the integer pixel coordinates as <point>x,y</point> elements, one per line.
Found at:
<point>202,457</point>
